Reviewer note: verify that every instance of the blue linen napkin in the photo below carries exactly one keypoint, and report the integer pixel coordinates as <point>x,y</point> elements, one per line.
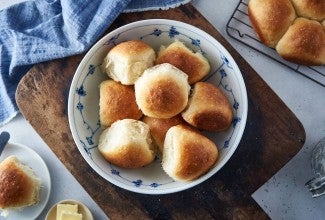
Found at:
<point>40,30</point>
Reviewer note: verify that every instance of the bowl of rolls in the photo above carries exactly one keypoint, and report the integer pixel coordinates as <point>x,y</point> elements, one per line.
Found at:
<point>157,106</point>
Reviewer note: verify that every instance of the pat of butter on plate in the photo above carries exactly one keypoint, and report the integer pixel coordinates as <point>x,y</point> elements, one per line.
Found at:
<point>70,216</point>
<point>68,212</point>
<point>69,209</point>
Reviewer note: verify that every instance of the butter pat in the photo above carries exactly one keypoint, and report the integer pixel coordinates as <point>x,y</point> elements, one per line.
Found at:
<point>65,208</point>
<point>67,212</point>
<point>70,216</point>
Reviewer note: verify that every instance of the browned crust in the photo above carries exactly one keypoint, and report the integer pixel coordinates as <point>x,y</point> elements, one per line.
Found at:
<point>129,156</point>
<point>132,47</point>
<point>212,120</point>
<point>208,108</point>
<point>270,19</point>
<point>197,153</point>
<point>256,27</point>
<point>117,102</point>
<point>312,9</point>
<point>162,91</point>
<point>159,127</point>
<point>304,43</point>
<point>16,188</point>
<point>185,60</point>
<point>165,98</point>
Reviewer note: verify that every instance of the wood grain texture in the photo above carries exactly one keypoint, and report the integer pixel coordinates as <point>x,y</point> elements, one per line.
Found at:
<point>273,135</point>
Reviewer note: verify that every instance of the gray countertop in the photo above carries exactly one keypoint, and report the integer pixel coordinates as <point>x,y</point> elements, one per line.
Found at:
<point>284,196</point>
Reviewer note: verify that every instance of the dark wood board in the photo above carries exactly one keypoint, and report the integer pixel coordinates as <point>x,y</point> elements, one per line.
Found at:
<point>273,135</point>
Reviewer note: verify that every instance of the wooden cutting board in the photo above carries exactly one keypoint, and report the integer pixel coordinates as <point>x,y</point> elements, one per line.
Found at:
<point>273,135</point>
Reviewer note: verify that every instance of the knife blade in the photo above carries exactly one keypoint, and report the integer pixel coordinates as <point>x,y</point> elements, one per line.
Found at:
<point>4,138</point>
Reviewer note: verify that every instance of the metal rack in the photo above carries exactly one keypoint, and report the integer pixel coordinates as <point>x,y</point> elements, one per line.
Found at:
<point>240,28</point>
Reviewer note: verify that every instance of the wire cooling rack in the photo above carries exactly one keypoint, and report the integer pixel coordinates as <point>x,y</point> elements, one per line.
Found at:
<point>239,27</point>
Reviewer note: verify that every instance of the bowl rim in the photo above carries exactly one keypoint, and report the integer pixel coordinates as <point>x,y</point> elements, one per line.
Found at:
<point>148,22</point>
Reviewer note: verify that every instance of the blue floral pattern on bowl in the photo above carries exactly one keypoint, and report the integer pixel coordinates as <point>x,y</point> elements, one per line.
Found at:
<point>87,129</point>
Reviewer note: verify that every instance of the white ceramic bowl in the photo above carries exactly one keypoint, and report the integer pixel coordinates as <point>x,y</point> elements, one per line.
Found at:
<point>84,98</point>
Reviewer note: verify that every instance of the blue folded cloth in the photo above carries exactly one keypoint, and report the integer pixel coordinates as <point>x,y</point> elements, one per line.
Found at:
<point>40,30</point>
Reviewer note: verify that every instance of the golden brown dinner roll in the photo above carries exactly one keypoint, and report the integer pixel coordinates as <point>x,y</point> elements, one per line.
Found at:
<point>159,127</point>
<point>208,108</point>
<point>116,101</point>
<point>127,143</point>
<point>312,9</point>
<point>187,153</point>
<point>303,43</point>
<point>126,61</point>
<point>19,185</point>
<point>162,91</point>
<point>271,19</point>
<point>194,65</point>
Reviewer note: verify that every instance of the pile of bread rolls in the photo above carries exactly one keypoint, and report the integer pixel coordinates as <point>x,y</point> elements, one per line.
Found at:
<point>148,109</point>
<point>295,28</point>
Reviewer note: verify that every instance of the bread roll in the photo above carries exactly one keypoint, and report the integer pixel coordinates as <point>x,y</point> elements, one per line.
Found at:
<point>208,108</point>
<point>159,127</point>
<point>127,143</point>
<point>312,9</point>
<point>187,153</point>
<point>303,43</point>
<point>162,91</point>
<point>19,185</point>
<point>193,64</point>
<point>271,19</point>
<point>126,61</point>
<point>116,101</point>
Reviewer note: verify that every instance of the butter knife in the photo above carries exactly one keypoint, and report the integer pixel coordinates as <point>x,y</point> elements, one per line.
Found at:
<point>4,138</point>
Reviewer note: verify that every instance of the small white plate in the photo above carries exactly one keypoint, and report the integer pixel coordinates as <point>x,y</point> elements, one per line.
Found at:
<point>30,158</point>
<point>82,209</point>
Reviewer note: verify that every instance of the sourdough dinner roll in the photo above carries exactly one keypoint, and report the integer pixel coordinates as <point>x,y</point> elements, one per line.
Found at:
<point>162,91</point>
<point>126,61</point>
<point>116,101</point>
<point>208,108</point>
<point>159,127</point>
<point>303,43</point>
<point>187,153</point>
<point>127,143</point>
<point>271,19</point>
<point>19,185</point>
<point>193,64</point>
